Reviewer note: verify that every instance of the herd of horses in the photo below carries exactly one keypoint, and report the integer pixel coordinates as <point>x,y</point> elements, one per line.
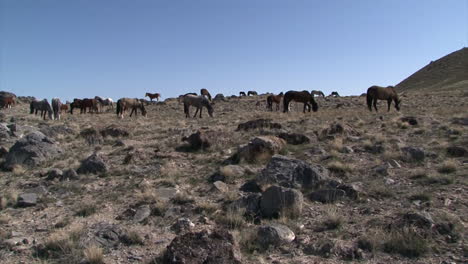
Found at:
<point>204,100</point>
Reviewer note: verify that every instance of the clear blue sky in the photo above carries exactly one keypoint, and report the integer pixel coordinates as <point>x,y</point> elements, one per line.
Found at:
<point>115,48</point>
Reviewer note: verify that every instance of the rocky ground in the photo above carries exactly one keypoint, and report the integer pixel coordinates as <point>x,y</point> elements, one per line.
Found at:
<point>342,184</point>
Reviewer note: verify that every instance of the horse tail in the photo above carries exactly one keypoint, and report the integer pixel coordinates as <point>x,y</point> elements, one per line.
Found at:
<point>369,99</point>
<point>119,107</point>
<point>286,100</point>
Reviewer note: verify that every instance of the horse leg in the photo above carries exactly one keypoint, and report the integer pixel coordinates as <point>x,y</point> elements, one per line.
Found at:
<point>196,112</point>
<point>131,113</point>
<point>375,104</point>
<point>389,102</point>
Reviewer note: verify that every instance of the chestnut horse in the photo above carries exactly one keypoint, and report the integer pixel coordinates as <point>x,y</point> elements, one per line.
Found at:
<point>302,97</point>
<point>204,92</point>
<point>274,99</point>
<point>152,96</point>
<point>92,104</point>
<point>7,102</point>
<point>199,102</point>
<point>375,93</point>
<point>134,103</point>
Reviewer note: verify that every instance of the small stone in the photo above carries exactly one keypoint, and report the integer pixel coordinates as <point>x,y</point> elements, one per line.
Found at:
<point>275,234</point>
<point>221,186</point>
<point>27,199</point>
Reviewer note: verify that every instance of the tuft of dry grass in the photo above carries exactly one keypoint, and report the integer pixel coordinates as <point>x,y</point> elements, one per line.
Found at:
<point>94,255</point>
<point>232,219</point>
<point>86,210</point>
<point>448,166</point>
<point>407,243</point>
<point>339,167</point>
<point>132,237</point>
<point>332,218</point>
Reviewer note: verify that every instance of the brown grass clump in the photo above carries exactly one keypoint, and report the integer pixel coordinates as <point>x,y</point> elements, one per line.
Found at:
<point>233,219</point>
<point>332,219</point>
<point>407,243</point>
<point>448,166</point>
<point>94,255</point>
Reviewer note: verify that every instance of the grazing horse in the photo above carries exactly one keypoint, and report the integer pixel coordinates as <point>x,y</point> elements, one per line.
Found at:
<point>75,104</point>
<point>105,102</point>
<point>92,104</point>
<point>134,103</point>
<point>302,97</point>
<point>274,99</point>
<point>64,107</point>
<point>199,102</point>
<point>42,106</point>
<point>318,93</point>
<point>204,92</point>
<point>249,93</point>
<point>242,94</point>
<point>375,93</point>
<point>7,102</point>
<point>335,94</point>
<point>57,108</point>
<point>152,96</point>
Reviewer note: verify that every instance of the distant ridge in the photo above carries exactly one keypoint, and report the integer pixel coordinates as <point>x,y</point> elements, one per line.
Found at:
<point>448,72</point>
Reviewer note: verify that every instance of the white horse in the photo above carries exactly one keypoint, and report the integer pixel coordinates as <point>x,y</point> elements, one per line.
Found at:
<point>56,107</point>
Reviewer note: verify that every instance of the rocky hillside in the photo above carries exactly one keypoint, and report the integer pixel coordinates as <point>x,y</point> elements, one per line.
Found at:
<point>246,186</point>
<point>448,72</point>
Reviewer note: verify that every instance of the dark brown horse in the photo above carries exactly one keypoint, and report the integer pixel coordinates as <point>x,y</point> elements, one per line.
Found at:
<point>204,92</point>
<point>318,93</point>
<point>274,99</point>
<point>335,94</point>
<point>302,97</point>
<point>124,104</point>
<point>389,94</point>
<point>42,106</point>
<point>242,94</point>
<point>152,96</point>
<point>249,93</point>
<point>83,104</point>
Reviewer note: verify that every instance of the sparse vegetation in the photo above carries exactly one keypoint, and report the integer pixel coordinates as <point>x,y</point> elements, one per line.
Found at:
<point>407,243</point>
<point>448,166</point>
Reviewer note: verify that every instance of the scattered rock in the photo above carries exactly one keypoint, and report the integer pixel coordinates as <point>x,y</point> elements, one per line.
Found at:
<point>93,164</point>
<point>54,174</point>
<point>251,186</point>
<point>92,136</point>
<point>274,235</point>
<point>69,174</point>
<point>198,140</point>
<point>374,148</point>
<point>278,200</point>
<point>337,128</point>
<point>55,131</point>
<point>422,220</point>
<point>327,195</point>
<point>381,170</point>
<point>460,121</point>
<point>352,190</point>
<point>250,203</point>
<point>3,152</point>
<point>142,213</point>
<point>347,149</point>
<point>219,97</point>
<point>349,252</point>
<point>294,138</point>
<point>114,131</point>
<point>4,132</point>
<point>166,193</point>
<point>182,225</point>
<point>260,149</point>
<point>32,150</point>
<point>104,235</point>
<point>457,151</point>
<point>27,199</point>
<point>221,186</point>
<point>410,120</point>
<point>292,173</point>
<point>217,247</point>
<point>259,123</point>
<point>413,154</point>
<point>394,164</point>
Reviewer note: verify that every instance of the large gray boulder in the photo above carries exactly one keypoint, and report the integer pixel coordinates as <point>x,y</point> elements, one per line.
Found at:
<point>277,201</point>
<point>292,173</point>
<point>32,150</point>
